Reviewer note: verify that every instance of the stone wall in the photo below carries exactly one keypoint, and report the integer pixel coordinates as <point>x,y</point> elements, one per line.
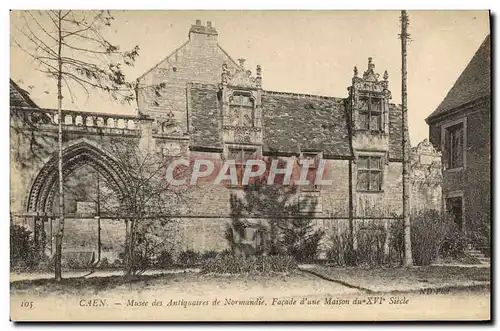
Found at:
<point>426,178</point>
<point>198,60</point>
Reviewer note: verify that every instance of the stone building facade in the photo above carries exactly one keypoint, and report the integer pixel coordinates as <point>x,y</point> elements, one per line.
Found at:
<point>212,107</point>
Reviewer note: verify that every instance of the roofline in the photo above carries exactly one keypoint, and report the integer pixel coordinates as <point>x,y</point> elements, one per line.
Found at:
<point>178,49</point>
<point>463,107</point>
<point>303,95</point>
<point>435,112</point>
<point>24,94</point>
<point>164,59</point>
<point>81,112</point>
<point>227,54</point>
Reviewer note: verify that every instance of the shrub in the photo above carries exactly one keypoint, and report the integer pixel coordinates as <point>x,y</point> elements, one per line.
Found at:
<point>454,243</point>
<point>78,260</point>
<point>428,231</point>
<point>480,238</point>
<point>23,253</point>
<point>189,258</point>
<point>229,264</point>
<point>339,253</point>
<point>300,240</point>
<point>370,250</point>
<point>165,259</point>
<point>208,255</point>
<point>104,263</point>
<point>397,243</point>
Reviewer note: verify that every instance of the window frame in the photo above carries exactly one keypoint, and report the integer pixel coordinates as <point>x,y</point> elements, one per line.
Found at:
<point>445,152</point>
<point>239,164</point>
<point>239,107</point>
<point>369,113</point>
<point>369,170</point>
<point>455,195</point>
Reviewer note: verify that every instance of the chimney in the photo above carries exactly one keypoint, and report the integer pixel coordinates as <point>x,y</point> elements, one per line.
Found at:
<point>199,32</point>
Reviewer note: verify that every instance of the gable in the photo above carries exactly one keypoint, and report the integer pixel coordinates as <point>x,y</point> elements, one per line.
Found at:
<point>473,83</point>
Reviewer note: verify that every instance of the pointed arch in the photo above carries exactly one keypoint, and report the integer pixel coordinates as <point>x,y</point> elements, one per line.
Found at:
<point>76,154</point>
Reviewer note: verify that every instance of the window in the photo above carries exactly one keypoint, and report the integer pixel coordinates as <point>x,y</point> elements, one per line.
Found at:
<point>369,173</point>
<point>454,146</point>
<point>370,113</point>
<point>240,157</point>
<point>310,202</point>
<point>241,110</point>
<point>454,207</point>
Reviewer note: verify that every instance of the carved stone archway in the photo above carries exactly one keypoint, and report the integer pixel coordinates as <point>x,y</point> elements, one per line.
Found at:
<point>45,186</point>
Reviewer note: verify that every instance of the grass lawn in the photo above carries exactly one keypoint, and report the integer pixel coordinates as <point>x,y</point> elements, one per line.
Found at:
<point>406,279</point>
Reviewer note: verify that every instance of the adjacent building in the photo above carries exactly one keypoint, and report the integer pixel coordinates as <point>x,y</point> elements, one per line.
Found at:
<point>460,128</point>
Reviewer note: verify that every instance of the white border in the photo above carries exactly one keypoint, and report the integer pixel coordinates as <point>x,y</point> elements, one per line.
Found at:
<point>255,4</point>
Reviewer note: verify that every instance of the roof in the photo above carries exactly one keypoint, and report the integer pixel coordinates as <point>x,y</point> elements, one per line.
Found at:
<point>204,116</point>
<point>174,52</point>
<point>291,123</point>
<point>473,83</point>
<point>20,97</point>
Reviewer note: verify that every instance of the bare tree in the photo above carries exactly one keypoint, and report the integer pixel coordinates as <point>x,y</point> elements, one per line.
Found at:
<point>149,205</point>
<point>72,48</point>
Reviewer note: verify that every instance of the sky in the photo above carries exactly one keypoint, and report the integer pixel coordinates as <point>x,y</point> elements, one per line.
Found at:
<point>311,52</point>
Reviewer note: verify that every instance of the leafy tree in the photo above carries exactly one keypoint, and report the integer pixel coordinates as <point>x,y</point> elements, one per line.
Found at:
<point>284,229</point>
<point>23,253</point>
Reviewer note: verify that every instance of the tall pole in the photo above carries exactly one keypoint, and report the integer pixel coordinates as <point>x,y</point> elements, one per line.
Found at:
<point>408,261</point>
<point>60,229</point>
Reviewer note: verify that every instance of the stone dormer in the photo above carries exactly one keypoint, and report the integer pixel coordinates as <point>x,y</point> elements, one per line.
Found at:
<point>368,108</point>
<point>240,97</point>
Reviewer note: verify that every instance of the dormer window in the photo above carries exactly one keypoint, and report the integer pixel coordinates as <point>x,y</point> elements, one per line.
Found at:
<point>370,113</point>
<point>241,110</point>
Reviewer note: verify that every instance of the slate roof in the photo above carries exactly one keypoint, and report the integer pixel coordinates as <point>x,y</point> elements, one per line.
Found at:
<point>20,97</point>
<point>291,123</point>
<point>204,115</point>
<point>473,84</point>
